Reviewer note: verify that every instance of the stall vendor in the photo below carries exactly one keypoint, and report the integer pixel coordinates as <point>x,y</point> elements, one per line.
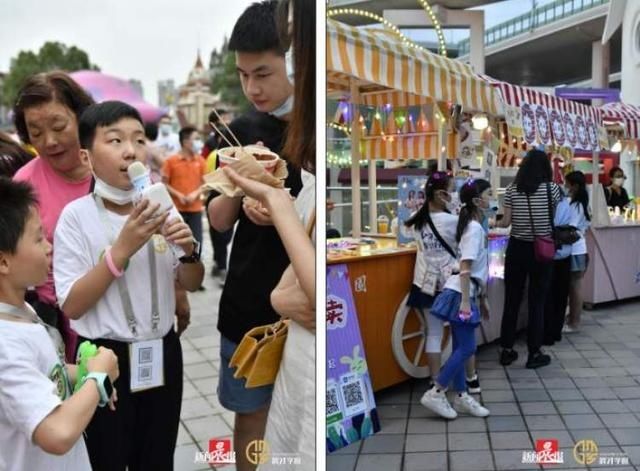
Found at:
<point>615,193</point>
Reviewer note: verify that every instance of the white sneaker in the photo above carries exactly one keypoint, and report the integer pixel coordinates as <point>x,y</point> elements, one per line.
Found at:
<point>567,329</point>
<point>437,402</point>
<point>466,403</point>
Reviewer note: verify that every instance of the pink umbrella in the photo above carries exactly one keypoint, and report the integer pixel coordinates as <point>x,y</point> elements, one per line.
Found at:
<point>104,87</point>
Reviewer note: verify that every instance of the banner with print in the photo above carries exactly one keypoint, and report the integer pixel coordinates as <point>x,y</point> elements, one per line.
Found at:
<point>410,198</point>
<point>543,133</point>
<point>513,117</point>
<point>528,123</point>
<point>592,132</point>
<point>350,404</point>
<point>569,127</point>
<point>582,134</point>
<point>557,128</point>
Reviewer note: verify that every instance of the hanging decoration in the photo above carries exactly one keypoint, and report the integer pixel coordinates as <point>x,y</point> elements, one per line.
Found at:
<point>543,133</point>
<point>570,129</point>
<point>581,134</point>
<point>593,133</point>
<point>528,123</point>
<point>557,126</point>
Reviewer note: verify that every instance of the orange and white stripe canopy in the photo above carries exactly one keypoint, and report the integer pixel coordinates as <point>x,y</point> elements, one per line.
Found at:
<point>383,64</point>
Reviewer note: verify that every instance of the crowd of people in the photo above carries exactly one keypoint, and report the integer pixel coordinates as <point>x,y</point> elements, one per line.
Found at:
<point>79,251</point>
<point>451,271</point>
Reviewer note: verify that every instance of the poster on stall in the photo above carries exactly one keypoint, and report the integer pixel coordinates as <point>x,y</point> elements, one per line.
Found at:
<point>351,407</point>
<point>513,116</point>
<point>410,199</point>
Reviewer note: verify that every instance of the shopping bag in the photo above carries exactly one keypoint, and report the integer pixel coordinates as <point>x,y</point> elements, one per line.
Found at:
<point>257,357</point>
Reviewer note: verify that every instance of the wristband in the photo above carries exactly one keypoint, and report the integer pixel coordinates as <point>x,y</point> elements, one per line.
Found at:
<point>110,265</point>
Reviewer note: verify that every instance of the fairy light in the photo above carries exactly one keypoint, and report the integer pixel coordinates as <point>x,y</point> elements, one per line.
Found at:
<point>367,14</point>
<point>340,127</point>
<point>436,25</point>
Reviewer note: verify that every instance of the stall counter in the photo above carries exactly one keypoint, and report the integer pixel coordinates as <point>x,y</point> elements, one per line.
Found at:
<point>381,276</point>
<point>613,273</point>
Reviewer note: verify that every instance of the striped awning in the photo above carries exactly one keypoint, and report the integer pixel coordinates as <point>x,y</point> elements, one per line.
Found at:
<point>546,118</point>
<point>407,147</point>
<point>628,115</point>
<point>374,57</point>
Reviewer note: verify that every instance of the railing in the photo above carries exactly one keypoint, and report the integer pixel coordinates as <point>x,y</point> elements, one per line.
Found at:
<point>536,18</point>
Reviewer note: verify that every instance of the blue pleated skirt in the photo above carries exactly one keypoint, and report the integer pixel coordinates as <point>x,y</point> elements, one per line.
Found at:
<point>446,306</point>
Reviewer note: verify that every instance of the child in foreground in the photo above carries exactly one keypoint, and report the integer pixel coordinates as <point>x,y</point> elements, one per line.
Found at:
<point>41,423</point>
<point>114,272</point>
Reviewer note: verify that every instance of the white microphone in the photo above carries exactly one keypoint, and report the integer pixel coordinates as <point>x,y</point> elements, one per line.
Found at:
<point>156,193</point>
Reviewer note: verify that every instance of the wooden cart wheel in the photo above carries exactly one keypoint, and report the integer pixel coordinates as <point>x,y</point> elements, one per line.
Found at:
<point>408,340</point>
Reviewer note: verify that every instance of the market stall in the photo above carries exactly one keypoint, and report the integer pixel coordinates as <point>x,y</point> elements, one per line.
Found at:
<point>614,240</point>
<point>413,94</point>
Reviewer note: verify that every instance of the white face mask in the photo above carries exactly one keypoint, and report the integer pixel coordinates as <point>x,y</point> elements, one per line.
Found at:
<point>454,205</point>
<point>165,129</point>
<point>197,146</point>
<point>111,193</point>
<point>618,181</point>
<point>284,109</point>
<point>289,64</point>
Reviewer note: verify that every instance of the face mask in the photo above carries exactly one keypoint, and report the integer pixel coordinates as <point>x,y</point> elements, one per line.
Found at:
<point>288,62</point>
<point>111,193</point>
<point>284,109</point>
<point>618,181</point>
<point>492,208</point>
<point>165,129</point>
<point>197,146</point>
<point>454,205</point>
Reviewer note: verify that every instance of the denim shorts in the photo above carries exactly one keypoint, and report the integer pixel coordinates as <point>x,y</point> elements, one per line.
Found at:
<point>232,393</point>
<point>579,262</point>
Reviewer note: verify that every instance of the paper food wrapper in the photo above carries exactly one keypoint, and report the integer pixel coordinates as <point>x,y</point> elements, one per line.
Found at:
<point>248,167</point>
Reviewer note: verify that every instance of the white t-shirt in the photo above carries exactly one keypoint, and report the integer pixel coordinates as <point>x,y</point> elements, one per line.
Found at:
<point>32,385</point>
<point>431,253</point>
<point>473,246</point>
<point>579,220</point>
<point>169,144</point>
<point>80,241</point>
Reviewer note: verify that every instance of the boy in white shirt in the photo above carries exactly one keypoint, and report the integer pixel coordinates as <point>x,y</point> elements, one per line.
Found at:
<point>114,273</point>
<point>41,424</point>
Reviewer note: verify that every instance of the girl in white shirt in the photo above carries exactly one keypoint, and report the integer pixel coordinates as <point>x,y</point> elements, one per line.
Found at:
<point>577,188</point>
<point>462,302</point>
<point>435,263</point>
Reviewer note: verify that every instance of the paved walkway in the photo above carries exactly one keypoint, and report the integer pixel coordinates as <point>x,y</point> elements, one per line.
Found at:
<point>591,390</point>
<point>202,415</point>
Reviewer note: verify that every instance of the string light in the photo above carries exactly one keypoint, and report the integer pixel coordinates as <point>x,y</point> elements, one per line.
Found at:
<point>340,127</point>
<point>393,28</point>
<point>436,25</point>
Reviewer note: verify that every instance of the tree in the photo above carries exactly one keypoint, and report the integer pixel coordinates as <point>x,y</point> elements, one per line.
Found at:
<point>225,79</point>
<point>51,56</point>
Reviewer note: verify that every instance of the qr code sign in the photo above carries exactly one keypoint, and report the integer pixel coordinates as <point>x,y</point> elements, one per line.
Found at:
<point>144,373</point>
<point>145,355</point>
<point>332,402</point>
<point>353,396</point>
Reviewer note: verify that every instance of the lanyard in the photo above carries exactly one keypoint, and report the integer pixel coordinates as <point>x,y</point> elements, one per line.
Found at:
<point>27,313</point>
<point>127,306</point>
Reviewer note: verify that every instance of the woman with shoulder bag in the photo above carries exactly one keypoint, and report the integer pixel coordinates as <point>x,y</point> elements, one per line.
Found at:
<point>529,205</point>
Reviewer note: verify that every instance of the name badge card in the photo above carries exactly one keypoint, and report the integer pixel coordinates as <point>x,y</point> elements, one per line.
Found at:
<point>147,365</point>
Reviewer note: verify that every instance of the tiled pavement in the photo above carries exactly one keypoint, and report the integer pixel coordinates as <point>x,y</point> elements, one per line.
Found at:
<point>591,390</point>
<point>202,415</point>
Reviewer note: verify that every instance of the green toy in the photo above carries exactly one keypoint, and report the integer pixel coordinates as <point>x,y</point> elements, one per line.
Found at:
<point>86,350</point>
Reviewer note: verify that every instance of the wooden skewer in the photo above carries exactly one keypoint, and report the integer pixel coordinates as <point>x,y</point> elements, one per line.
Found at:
<point>221,134</point>
<point>227,127</point>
